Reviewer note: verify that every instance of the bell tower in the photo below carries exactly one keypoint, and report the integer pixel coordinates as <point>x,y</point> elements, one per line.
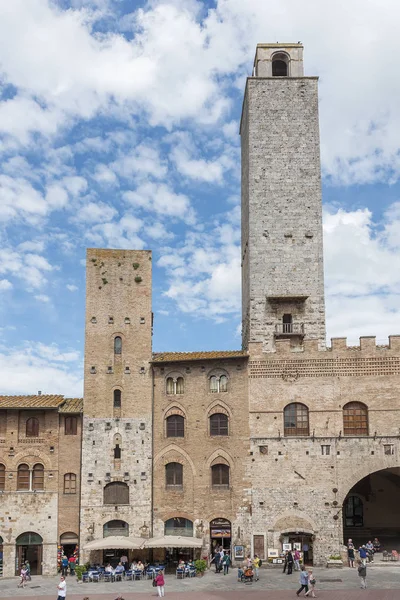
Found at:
<point>282,252</point>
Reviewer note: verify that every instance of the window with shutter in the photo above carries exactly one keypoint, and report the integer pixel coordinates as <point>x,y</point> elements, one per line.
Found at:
<point>220,476</point>
<point>23,478</point>
<point>116,493</point>
<point>38,477</point>
<point>70,426</point>
<point>174,475</point>
<point>2,477</point>
<point>32,427</point>
<point>175,426</point>
<point>219,424</point>
<point>70,483</point>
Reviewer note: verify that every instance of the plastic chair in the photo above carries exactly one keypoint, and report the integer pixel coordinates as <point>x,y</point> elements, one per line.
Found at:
<point>107,576</point>
<point>180,573</point>
<point>94,576</point>
<point>85,577</point>
<point>129,575</point>
<point>137,574</point>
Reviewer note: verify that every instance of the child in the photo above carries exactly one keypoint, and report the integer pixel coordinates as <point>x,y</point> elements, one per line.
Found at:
<point>362,573</point>
<point>312,581</point>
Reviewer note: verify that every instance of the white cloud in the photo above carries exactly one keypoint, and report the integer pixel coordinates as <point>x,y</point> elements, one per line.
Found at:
<point>141,162</point>
<point>119,234</point>
<point>96,212</point>
<point>71,287</point>
<point>5,285</point>
<point>42,298</point>
<point>29,268</point>
<point>162,200</point>
<point>34,366</point>
<point>104,174</point>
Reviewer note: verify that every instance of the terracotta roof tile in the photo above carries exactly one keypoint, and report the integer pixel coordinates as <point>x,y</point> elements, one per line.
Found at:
<point>72,405</point>
<point>37,401</point>
<point>183,356</point>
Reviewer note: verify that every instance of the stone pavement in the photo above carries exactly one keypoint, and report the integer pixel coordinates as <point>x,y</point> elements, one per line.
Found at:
<point>340,584</point>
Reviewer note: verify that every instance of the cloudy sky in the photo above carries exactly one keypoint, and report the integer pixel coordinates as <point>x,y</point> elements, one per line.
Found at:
<point>119,128</point>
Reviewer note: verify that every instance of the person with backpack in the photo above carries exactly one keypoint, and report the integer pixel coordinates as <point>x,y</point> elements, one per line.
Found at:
<point>257,562</point>
<point>226,561</point>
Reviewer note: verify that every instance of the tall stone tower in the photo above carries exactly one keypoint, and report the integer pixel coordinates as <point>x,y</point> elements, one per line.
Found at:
<point>117,425</point>
<point>282,254</point>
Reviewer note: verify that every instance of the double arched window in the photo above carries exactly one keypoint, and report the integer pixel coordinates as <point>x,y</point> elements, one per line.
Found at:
<point>355,419</point>
<point>174,475</point>
<point>32,427</point>
<point>295,419</point>
<point>219,424</point>
<point>218,384</point>
<point>220,476</point>
<point>30,480</point>
<point>70,483</point>
<point>175,385</point>
<point>175,426</point>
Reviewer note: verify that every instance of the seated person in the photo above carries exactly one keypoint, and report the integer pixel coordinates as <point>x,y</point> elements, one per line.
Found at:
<point>108,568</point>
<point>140,566</point>
<point>133,565</point>
<point>119,569</point>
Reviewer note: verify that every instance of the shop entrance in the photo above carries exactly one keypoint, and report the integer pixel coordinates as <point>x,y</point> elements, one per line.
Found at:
<point>220,534</point>
<point>301,541</point>
<point>69,544</point>
<point>29,548</point>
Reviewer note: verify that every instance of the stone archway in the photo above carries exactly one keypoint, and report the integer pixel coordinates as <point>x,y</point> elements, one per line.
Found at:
<point>370,509</point>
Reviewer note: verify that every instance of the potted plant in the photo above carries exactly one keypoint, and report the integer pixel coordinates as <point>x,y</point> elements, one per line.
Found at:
<point>201,566</point>
<point>334,561</point>
<point>79,569</point>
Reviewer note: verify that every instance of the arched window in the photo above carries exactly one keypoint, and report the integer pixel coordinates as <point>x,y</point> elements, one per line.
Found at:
<point>2,477</point>
<point>116,493</point>
<point>353,512</point>
<point>32,427</point>
<point>174,475</point>
<point>70,426</point>
<point>116,528</point>
<point>220,476</point>
<point>117,398</point>
<point>280,65</point>
<point>117,345</point>
<point>117,451</point>
<point>218,424</point>
<point>175,426</point>
<point>69,483</point>
<point>38,477</point>
<point>178,526</point>
<point>175,386</point>
<point>295,419</point>
<point>23,478</point>
<point>218,384</point>
<point>355,419</point>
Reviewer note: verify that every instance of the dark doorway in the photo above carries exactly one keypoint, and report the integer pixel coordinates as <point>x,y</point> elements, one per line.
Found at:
<point>29,547</point>
<point>220,534</point>
<point>371,509</point>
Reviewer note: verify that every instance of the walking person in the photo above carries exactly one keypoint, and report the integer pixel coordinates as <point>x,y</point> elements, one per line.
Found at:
<point>64,565</point>
<point>311,582</point>
<point>226,561</point>
<point>23,574</point>
<point>303,581</point>
<point>363,554</point>
<point>257,565</point>
<point>72,563</point>
<point>362,573</point>
<point>290,562</point>
<point>28,571</point>
<point>285,563</point>
<point>62,588</point>
<point>160,582</point>
<point>296,557</point>
<point>217,560</point>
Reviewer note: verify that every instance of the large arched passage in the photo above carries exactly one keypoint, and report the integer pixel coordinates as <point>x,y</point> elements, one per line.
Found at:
<point>29,548</point>
<point>371,509</point>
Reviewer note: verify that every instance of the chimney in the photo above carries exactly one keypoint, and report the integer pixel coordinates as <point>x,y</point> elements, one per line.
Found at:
<point>39,393</point>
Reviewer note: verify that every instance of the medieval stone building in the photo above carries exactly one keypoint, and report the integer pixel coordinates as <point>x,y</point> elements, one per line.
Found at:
<point>285,441</point>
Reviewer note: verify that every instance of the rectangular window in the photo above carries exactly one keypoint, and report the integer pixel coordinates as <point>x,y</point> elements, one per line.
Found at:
<point>71,426</point>
<point>325,450</point>
<point>388,449</point>
<point>70,483</point>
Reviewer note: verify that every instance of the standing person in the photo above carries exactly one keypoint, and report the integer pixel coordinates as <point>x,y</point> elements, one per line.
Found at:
<point>160,584</point>
<point>363,554</point>
<point>72,561</point>
<point>370,551</point>
<point>124,561</point>
<point>350,553</point>
<point>256,564</point>
<point>284,562</point>
<point>290,562</point>
<point>62,588</point>
<point>303,581</point>
<point>362,573</point>
<point>217,559</point>
<point>311,581</point>
<point>296,557</point>
<point>305,552</point>
<point>28,571</point>
<point>226,561</point>
<point>64,565</point>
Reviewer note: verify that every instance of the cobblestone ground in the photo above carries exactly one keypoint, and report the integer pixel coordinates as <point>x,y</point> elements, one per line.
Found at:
<point>343,584</point>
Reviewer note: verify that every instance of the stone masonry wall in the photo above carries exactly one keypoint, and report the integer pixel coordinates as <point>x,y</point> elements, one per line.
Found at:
<point>282,187</point>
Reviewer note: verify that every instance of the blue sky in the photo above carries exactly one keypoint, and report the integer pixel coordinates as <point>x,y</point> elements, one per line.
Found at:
<point>119,128</point>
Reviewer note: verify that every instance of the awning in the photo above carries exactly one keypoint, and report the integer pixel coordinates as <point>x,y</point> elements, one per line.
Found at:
<point>174,541</point>
<point>115,541</point>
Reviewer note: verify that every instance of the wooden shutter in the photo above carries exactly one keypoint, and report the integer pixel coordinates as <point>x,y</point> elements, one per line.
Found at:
<point>258,543</point>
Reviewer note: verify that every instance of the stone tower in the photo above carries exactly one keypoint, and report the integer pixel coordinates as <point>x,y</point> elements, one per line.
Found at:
<point>282,254</point>
<point>117,425</point>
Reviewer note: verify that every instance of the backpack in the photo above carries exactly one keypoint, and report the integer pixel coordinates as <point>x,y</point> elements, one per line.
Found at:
<point>260,563</point>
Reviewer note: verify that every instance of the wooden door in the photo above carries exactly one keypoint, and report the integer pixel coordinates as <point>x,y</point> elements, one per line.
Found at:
<point>258,543</point>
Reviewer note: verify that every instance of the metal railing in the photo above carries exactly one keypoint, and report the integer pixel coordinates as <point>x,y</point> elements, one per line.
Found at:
<point>289,329</point>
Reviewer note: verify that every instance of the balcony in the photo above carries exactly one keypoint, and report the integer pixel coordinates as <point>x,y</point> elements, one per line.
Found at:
<point>289,329</point>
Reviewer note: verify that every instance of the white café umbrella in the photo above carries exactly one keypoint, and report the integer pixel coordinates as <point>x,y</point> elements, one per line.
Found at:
<point>115,542</point>
<point>173,541</point>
